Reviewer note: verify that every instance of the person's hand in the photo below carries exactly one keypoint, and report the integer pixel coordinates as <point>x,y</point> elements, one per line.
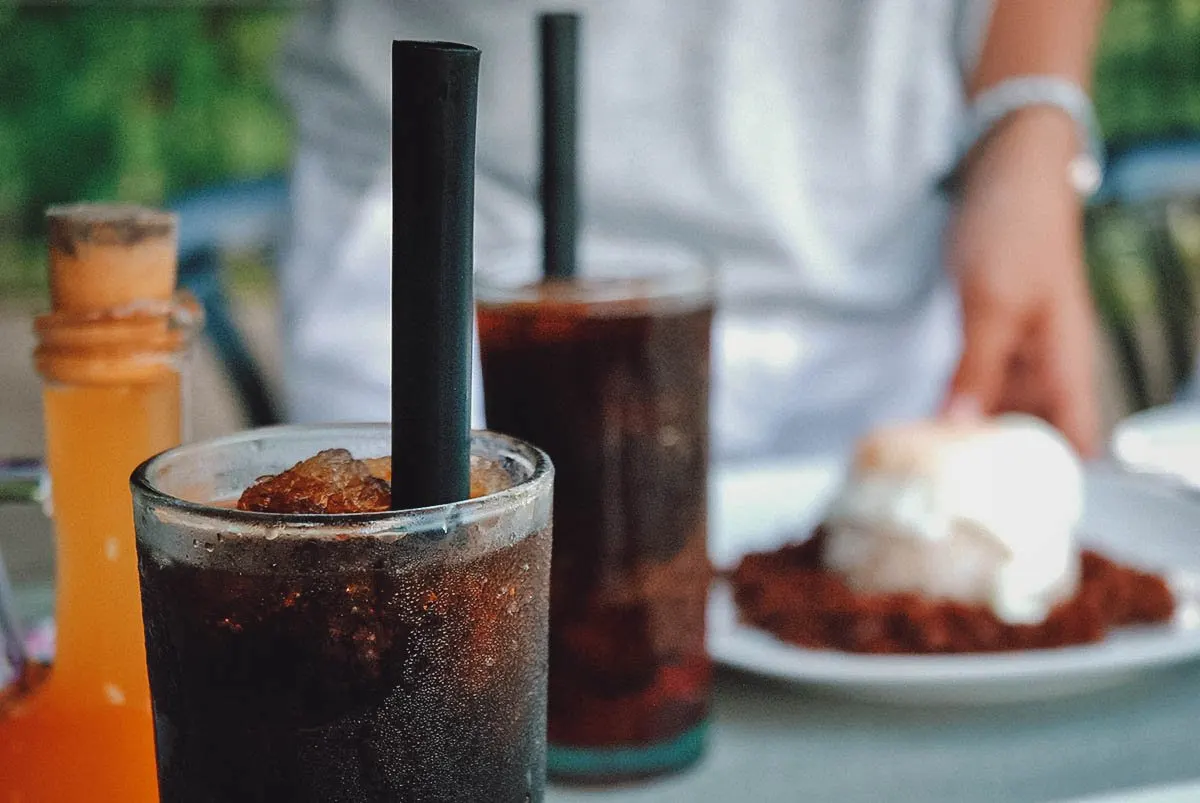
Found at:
<point>1016,251</point>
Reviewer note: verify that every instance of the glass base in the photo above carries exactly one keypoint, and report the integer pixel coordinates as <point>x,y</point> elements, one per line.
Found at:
<point>587,765</point>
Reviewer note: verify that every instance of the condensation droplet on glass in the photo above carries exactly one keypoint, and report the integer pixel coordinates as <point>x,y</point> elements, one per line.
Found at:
<point>670,437</point>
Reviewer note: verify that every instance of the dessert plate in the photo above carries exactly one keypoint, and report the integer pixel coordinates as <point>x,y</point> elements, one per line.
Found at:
<point>1163,441</point>
<point>1186,792</point>
<point>1135,519</point>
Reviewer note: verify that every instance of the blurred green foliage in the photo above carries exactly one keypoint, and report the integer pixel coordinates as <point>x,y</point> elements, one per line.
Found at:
<point>1148,70</point>
<point>117,103</point>
<point>1145,260</point>
<point>1144,263</point>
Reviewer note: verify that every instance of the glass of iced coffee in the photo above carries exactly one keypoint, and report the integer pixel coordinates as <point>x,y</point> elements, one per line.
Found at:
<point>305,643</point>
<point>609,373</point>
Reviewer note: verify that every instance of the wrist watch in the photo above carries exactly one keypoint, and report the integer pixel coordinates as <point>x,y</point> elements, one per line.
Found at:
<point>1085,171</point>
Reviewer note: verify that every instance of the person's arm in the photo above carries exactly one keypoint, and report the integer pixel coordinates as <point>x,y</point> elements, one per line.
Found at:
<point>1015,246</point>
<point>1040,37</point>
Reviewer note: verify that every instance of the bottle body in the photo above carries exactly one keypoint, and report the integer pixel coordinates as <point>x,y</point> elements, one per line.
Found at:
<point>113,395</point>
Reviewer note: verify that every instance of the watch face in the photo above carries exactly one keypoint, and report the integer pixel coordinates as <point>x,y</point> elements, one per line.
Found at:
<point>1085,175</point>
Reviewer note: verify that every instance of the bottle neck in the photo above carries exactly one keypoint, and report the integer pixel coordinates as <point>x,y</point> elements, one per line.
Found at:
<point>130,345</point>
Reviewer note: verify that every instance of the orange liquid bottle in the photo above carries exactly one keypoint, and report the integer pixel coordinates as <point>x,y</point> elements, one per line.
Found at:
<point>111,353</point>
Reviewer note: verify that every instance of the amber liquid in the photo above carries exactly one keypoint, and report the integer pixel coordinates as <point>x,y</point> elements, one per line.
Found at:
<point>620,403</point>
<point>85,733</point>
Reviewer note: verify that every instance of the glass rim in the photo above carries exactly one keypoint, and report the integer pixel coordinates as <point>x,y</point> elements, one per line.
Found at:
<point>312,525</point>
<point>667,277</point>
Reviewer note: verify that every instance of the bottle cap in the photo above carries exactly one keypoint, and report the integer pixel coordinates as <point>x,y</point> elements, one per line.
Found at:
<point>106,257</point>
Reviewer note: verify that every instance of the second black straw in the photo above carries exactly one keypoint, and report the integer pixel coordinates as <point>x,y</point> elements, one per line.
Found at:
<point>560,114</point>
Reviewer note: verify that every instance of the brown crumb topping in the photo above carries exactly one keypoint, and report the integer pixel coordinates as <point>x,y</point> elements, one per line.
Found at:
<point>790,594</point>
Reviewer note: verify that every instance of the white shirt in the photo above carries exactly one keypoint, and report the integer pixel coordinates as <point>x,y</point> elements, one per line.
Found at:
<point>794,144</point>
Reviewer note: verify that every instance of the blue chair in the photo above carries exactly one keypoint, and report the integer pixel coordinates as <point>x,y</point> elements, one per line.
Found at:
<point>246,215</point>
<point>1149,182</point>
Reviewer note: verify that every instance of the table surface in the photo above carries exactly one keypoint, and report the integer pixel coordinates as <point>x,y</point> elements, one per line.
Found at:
<point>775,742</point>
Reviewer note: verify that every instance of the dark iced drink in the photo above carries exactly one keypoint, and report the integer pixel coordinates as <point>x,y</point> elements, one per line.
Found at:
<point>611,379</point>
<point>379,656</point>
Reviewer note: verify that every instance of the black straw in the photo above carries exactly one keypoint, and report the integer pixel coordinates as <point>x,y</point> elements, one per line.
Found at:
<point>434,97</point>
<point>560,89</point>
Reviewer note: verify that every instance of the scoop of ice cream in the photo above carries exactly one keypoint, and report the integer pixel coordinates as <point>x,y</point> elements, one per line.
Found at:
<point>978,512</point>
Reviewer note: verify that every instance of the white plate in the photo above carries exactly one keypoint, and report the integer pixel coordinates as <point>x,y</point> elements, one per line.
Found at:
<point>1187,792</point>
<point>1133,519</point>
<point>1164,441</point>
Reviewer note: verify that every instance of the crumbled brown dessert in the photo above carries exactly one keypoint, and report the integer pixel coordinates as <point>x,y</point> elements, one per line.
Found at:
<point>790,594</point>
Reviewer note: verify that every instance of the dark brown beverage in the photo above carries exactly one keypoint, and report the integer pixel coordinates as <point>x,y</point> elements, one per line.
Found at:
<point>357,657</point>
<point>377,685</point>
<point>617,394</point>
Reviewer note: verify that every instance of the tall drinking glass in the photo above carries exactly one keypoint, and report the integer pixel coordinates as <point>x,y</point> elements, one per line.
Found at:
<point>396,656</point>
<point>609,373</point>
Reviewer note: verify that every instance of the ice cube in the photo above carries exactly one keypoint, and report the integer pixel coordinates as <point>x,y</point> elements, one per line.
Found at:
<point>334,482</point>
<point>487,476</point>
<point>331,481</point>
<point>380,468</point>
